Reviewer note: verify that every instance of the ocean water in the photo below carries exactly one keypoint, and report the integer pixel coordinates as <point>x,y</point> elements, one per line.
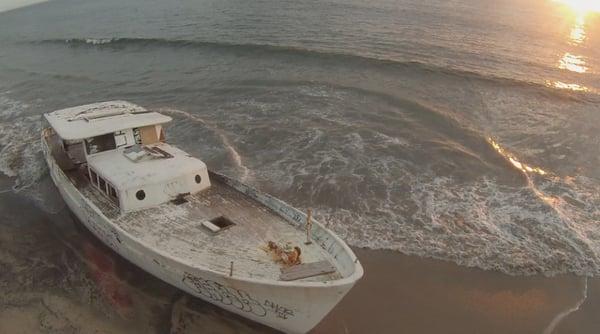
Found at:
<point>460,130</point>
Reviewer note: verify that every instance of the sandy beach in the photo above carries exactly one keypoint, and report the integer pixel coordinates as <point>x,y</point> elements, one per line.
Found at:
<point>406,294</point>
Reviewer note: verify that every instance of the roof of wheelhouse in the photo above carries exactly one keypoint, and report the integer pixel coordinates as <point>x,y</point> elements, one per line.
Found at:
<point>96,119</point>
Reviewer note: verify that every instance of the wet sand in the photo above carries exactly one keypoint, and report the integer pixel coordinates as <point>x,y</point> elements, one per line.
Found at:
<point>55,277</point>
<point>405,294</point>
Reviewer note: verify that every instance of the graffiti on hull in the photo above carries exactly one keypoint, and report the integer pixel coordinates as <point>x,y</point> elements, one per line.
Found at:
<point>236,298</point>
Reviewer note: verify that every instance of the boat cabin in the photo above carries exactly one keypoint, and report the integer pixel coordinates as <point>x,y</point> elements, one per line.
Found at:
<point>120,148</point>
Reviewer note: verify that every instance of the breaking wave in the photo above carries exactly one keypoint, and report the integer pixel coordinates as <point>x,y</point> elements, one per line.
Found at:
<point>308,53</point>
<point>482,225</point>
<point>19,142</point>
<point>21,155</point>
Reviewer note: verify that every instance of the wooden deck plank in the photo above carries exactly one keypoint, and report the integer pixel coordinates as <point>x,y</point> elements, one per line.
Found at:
<point>306,270</point>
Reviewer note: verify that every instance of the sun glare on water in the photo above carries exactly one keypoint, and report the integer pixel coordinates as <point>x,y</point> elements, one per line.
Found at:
<point>513,160</point>
<point>573,60</point>
<point>582,6</point>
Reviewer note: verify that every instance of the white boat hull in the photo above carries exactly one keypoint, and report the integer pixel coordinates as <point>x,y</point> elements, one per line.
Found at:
<point>286,306</point>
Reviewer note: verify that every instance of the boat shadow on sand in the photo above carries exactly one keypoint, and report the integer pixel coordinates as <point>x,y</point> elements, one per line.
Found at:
<point>60,277</point>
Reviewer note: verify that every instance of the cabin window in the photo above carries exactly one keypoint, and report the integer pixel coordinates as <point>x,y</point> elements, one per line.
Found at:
<point>94,177</point>
<point>198,179</point>
<point>112,192</point>
<point>137,136</point>
<point>120,138</point>
<point>75,151</point>
<point>140,194</point>
<point>100,143</point>
<point>102,184</point>
<point>161,136</point>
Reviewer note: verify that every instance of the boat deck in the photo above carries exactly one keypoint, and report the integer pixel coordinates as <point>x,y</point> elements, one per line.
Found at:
<point>176,229</point>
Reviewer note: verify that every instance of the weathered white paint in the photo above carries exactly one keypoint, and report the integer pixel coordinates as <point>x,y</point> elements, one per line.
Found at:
<point>158,240</point>
<point>160,179</point>
<point>92,120</point>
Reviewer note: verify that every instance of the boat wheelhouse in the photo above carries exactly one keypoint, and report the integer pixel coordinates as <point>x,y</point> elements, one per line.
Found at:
<point>125,154</point>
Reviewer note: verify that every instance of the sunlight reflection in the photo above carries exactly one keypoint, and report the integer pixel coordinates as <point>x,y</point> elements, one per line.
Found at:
<point>582,6</point>
<point>513,160</point>
<point>564,85</point>
<point>526,169</point>
<point>572,63</point>
<point>578,31</point>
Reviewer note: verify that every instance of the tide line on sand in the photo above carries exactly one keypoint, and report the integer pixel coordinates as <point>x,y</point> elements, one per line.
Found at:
<point>562,315</point>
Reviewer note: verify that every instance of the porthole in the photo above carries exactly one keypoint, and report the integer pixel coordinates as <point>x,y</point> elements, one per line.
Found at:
<point>140,194</point>
<point>198,179</point>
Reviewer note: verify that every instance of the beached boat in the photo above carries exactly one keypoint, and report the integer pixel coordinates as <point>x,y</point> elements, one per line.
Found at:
<point>205,233</point>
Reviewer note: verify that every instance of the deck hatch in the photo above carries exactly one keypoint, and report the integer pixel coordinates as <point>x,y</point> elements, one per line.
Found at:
<point>218,224</point>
